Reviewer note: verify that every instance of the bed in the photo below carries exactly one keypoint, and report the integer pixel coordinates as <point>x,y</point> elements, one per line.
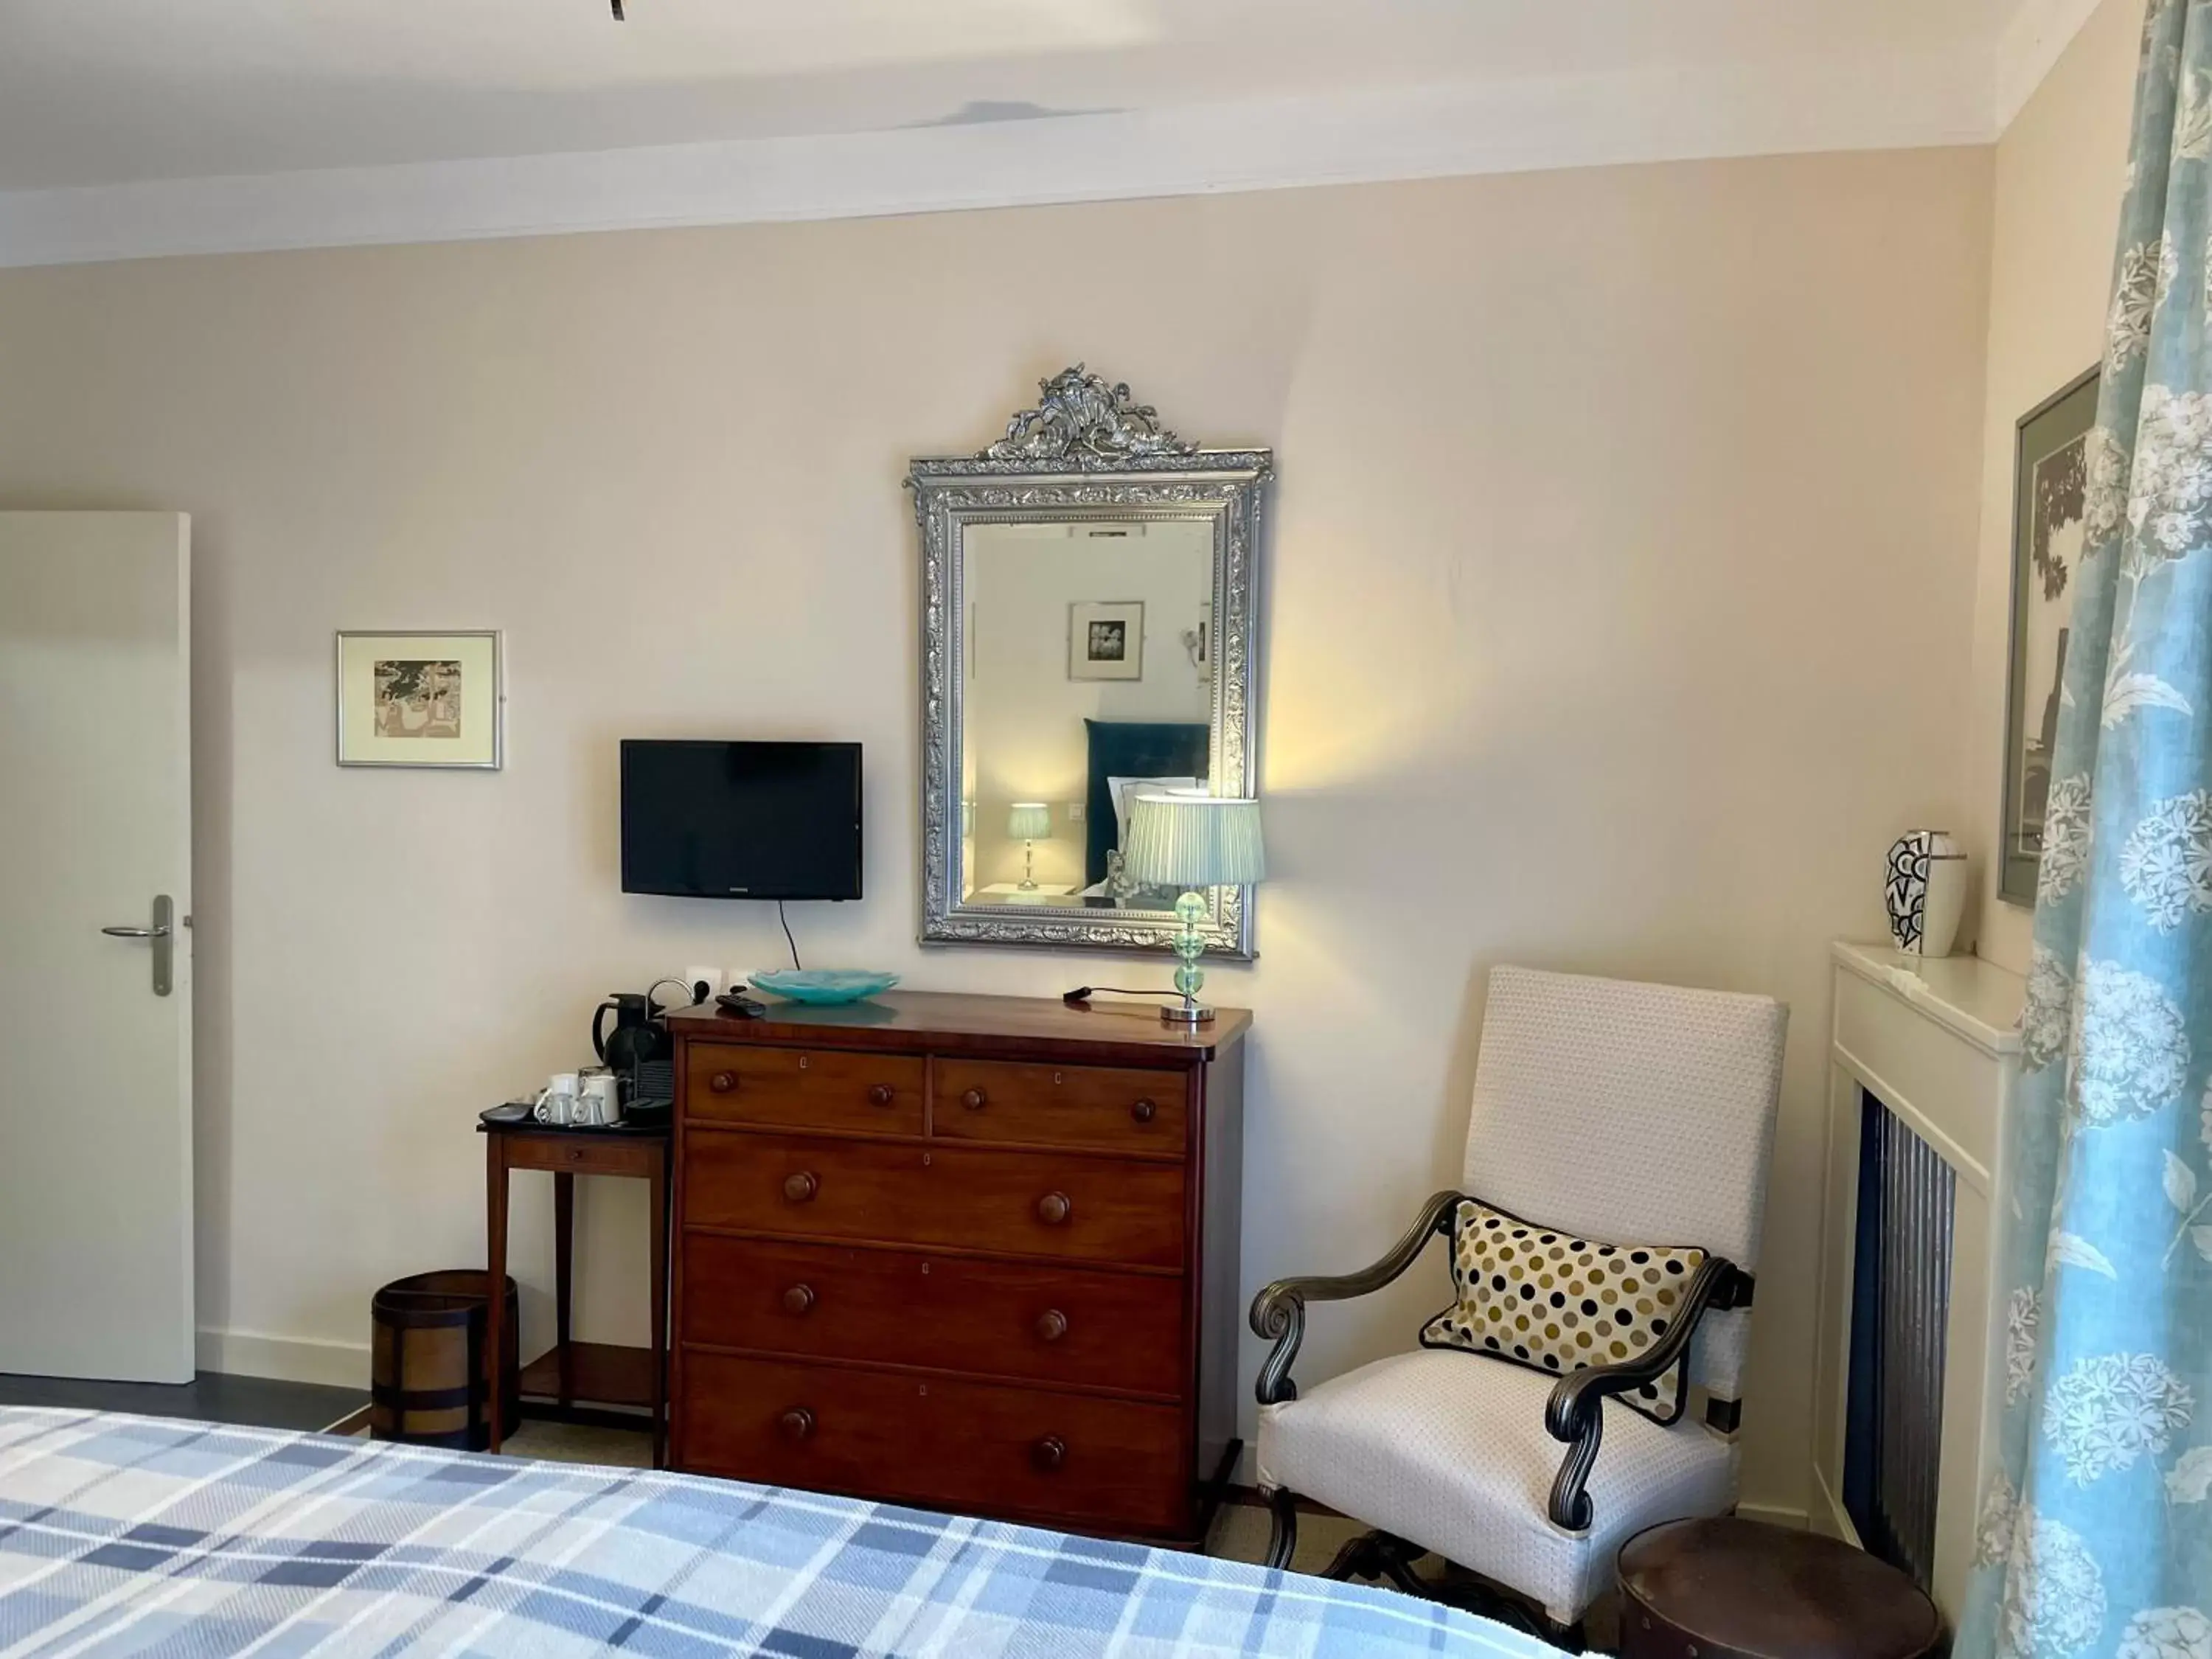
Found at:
<point>131,1535</point>
<point>1131,749</point>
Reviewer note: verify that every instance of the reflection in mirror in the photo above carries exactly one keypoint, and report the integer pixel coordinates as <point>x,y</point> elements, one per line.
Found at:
<point>1085,682</point>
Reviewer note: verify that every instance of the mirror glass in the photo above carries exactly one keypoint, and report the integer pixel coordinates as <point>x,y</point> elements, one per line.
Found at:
<point>1086,679</point>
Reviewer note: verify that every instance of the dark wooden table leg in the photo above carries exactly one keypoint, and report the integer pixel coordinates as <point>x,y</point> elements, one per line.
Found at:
<point>656,1249</point>
<point>564,1240</point>
<point>496,1264</point>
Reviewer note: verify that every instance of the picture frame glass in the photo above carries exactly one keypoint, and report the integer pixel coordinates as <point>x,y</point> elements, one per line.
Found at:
<point>419,699</point>
<point>2050,473</point>
<point>1106,640</point>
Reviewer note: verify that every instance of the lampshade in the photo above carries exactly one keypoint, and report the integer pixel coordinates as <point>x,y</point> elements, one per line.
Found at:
<point>1195,841</point>
<point>1029,820</point>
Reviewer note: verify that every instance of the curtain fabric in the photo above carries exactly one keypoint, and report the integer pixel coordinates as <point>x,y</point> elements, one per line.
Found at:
<point>2095,1537</point>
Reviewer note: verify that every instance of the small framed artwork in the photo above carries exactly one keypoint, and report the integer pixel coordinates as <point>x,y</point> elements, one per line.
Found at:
<point>1106,640</point>
<point>421,699</point>
<point>2050,475</point>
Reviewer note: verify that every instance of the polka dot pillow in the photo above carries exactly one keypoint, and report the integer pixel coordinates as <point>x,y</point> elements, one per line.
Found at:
<point>1545,1299</point>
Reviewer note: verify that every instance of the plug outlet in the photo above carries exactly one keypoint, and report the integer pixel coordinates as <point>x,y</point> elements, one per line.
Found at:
<point>715,983</point>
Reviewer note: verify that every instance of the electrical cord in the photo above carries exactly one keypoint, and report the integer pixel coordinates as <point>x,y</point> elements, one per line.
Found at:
<point>1083,993</point>
<point>787,938</point>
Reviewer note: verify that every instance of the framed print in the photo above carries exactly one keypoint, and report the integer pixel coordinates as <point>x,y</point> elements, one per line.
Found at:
<point>1106,640</point>
<point>2050,456</point>
<point>421,699</point>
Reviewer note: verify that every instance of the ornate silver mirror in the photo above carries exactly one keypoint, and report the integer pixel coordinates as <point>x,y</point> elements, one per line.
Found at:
<point>1088,636</point>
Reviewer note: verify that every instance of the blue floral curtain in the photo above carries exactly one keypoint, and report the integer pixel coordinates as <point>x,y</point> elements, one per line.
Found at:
<point>2095,1537</point>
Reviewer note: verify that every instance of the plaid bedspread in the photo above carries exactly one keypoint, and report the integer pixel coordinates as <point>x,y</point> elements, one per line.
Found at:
<point>132,1535</point>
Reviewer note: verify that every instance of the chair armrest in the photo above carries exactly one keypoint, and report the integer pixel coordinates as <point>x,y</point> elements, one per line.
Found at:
<point>1576,1411</point>
<point>1278,1312</point>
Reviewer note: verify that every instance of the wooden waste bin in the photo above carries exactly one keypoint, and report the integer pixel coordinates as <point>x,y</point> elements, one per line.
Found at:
<point>428,1372</point>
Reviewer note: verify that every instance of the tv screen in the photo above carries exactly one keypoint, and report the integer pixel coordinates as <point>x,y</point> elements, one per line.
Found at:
<point>741,820</point>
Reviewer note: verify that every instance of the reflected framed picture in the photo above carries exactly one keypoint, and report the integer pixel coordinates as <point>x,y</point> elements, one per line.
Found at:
<point>1106,640</point>
<point>420,698</point>
<point>2050,474</point>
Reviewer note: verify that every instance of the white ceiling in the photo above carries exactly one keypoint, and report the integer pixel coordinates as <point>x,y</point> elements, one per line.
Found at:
<point>104,91</point>
<point>132,127</point>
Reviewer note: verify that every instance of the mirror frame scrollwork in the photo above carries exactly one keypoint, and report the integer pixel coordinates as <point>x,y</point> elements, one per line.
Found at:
<point>1086,452</point>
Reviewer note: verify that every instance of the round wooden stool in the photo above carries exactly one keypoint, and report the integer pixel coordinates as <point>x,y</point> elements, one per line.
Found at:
<point>1727,1588</point>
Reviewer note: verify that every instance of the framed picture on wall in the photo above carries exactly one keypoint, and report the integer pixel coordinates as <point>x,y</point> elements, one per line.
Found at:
<point>2050,473</point>
<point>421,699</point>
<point>1106,640</point>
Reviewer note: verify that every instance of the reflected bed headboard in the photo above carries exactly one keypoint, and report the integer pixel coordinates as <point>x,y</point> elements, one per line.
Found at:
<point>1131,749</point>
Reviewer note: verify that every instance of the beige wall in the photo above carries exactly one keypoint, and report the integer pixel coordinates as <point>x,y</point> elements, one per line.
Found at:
<point>2057,211</point>
<point>1620,567</point>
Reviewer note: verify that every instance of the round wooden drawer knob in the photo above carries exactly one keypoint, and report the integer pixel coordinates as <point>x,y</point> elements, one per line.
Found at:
<point>1049,1453</point>
<point>1054,1208</point>
<point>1143,1111</point>
<point>798,1299</point>
<point>881,1095</point>
<point>1051,1325</point>
<point>797,1423</point>
<point>974,1100</point>
<point>723,1082</point>
<point>797,1189</point>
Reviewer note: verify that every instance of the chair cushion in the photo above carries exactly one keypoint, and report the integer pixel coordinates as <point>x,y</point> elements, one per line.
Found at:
<point>1535,1296</point>
<point>1452,1454</point>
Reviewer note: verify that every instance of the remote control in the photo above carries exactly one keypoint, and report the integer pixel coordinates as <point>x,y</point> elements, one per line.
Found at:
<point>743,1006</point>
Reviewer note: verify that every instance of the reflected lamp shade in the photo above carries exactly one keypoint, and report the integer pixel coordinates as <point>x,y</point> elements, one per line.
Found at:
<point>1029,820</point>
<point>1195,841</point>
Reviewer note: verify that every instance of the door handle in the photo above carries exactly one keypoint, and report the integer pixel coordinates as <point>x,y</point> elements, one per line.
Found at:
<point>163,935</point>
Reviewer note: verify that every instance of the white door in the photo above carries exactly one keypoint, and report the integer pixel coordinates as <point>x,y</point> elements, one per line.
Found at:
<point>95,1026</point>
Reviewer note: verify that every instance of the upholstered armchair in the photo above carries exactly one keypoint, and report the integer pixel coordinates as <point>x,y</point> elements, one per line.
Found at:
<point>1603,1111</point>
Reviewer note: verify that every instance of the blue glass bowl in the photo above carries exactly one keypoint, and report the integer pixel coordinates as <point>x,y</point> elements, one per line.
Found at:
<point>824,985</point>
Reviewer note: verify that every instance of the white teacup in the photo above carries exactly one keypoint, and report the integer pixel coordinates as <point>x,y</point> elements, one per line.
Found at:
<point>557,1102</point>
<point>598,1098</point>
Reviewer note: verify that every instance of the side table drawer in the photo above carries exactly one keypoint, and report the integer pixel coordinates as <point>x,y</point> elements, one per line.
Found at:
<point>583,1154</point>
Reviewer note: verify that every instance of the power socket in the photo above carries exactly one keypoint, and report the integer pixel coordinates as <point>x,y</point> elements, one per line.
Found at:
<point>713,976</point>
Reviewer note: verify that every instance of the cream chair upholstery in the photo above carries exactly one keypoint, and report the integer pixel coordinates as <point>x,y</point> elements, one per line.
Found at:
<point>1629,1112</point>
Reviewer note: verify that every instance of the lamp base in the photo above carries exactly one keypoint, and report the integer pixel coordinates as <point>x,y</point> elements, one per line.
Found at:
<point>1186,1013</point>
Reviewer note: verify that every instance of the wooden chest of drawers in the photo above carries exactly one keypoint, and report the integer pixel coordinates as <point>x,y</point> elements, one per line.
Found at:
<point>976,1254</point>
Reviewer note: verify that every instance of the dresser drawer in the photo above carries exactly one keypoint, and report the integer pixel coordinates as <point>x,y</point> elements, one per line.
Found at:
<point>804,1088</point>
<point>1095,1106</point>
<point>1088,1209</point>
<point>954,1445</point>
<point>1036,1323</point>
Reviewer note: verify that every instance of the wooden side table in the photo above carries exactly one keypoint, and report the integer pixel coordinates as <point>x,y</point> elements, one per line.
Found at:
<point>573,1375</point>
<point>1731,1589</point>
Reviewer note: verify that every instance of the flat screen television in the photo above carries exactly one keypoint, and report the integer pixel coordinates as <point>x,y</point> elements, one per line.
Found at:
<point>741,820</point>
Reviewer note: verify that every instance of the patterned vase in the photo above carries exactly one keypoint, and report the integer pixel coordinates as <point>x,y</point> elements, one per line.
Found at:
<point>1926,892</point>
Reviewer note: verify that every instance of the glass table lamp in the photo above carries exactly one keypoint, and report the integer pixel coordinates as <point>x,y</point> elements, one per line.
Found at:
<point>1193,842</point>
<point>1028,823</point>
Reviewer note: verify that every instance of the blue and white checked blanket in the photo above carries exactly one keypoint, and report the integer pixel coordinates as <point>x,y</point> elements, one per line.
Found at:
<point>133,1535</point>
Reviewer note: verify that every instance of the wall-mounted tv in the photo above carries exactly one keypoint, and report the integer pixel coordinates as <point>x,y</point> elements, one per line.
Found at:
<point>741,820</point>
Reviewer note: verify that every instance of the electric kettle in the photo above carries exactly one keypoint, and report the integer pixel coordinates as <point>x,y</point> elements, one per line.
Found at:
<point>639,1038</point>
